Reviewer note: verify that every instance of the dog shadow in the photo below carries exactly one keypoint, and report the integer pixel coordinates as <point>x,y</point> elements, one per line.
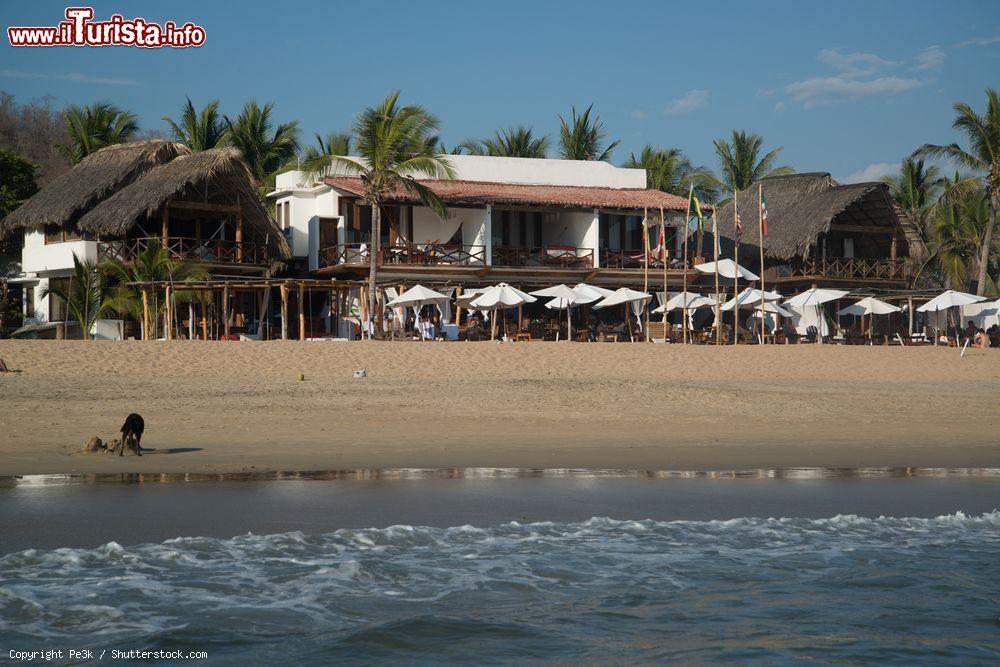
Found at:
<point>169,450</point>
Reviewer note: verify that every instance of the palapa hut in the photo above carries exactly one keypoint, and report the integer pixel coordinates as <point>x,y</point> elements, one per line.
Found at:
<point>819,232</point>
<point>201,206</point>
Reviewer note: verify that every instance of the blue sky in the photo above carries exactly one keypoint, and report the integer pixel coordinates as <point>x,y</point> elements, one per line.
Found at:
<point>846,87</point>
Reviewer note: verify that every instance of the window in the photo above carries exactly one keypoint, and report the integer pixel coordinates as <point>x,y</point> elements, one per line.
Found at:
<point>57,307</point>
<point>64,234</point>
<point>29,302</point>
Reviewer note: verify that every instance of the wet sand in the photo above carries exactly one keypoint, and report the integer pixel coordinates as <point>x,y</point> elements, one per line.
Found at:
<point>230,407</point>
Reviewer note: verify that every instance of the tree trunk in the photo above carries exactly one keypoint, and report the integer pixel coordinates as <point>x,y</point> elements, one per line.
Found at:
<point>984,257</point>
<point>374,250</point>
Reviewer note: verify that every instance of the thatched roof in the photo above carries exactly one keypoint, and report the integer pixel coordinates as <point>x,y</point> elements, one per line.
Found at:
<point>96,177</point>
<point>801,207</point>
<point>184,177</point>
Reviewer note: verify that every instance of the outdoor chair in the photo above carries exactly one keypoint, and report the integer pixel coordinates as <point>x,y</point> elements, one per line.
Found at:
<point>811,333</point>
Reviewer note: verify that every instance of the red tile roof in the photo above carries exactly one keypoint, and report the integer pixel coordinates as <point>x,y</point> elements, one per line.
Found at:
<point>481,193</point>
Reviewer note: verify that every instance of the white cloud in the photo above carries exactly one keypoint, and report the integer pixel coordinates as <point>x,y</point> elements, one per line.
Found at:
<point>638,114</point>
<point>821,91</point>
<point>691,101</point>
<point>69,76</point>
<point>873,172</point>
<point>981,41</point>
<point>930,58</point>
<point>854,63</point>
<point>779,106</point>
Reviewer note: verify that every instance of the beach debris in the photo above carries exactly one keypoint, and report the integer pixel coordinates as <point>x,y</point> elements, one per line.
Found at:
<point>95,444</point>
<point>301,377</point>
<point>361,373</point>
<point>114,446</point>
<point>3,367</point>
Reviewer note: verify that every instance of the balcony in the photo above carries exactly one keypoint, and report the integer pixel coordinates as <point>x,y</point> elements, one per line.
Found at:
<point>552,256</point>
<point>891,270</point>
<point>419,254</point>
<point>209,251</point>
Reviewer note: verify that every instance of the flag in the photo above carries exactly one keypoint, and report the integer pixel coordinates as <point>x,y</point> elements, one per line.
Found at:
<point>661,245</point>
<point>739,228</point>
<point>763,214</point>
<point>697,212</point>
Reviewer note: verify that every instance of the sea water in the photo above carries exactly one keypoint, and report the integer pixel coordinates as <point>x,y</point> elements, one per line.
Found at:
<point>840,589</point>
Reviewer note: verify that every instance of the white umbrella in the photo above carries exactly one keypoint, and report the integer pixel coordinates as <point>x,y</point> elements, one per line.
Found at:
<point>564,297</point>
<point>869,306</point>
<point>727,268</point>
<point>681,300</point>
<point>950,299</point>
<point>589,293</point>
<point>814,298</point>
<point>623,296</point>
<point>417,297</point>
<point>500,297</point>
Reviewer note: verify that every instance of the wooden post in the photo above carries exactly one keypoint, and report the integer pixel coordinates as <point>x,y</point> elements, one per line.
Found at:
<point>909,312</point>
<point>145,314</point>
<point>893,249</point>
<point>284,311</point>
<point>458,308</point>
<point>715,254</point>
<point>168,318</point>
<point>191,331</point>
<point>302,311</point>
<point>239,233</point>
<point>225,311</point>
<point>736,271</point>
<point>760,225</point>
<point>204,320</point>
<point>663,254</point>
<point>645,268</point>
<point>165,226</point>
<point>363,298</point>
<point>684,299</point>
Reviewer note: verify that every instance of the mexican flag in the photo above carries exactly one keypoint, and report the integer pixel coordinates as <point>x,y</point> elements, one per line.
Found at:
<point>763,214</point>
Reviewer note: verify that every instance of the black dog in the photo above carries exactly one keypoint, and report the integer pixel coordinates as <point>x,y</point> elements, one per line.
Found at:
<point>132,434</point>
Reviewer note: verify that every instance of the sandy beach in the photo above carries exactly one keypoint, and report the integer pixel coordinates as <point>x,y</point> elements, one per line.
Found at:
<point>231,407</point>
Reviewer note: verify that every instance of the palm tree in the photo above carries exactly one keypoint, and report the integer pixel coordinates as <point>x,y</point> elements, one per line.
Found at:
<point>199,131</point>
<point>263,150</point>
<point>510,142</point>
<point>394,148</point>
<point>316,160</point>
<point>916,189</point>
<point>583,138</point>
<point>957,225</point>
<point>669,170</point>
<point>86,299</point>
<point>152,264</point>
<point>94,127</point>
<point>982,157</point>
<point>741,162</point>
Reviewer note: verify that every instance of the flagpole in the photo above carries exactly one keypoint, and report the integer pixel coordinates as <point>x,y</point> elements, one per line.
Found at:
<point>663,258</point>
<point>715,251</point>
<point>645,263</point>
<point>736,273</point>
<point>687,233</point>
<point>760,225</point>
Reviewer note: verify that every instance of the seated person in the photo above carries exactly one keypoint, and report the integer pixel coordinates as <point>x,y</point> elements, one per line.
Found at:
<point>971,330</point>
<point>981,340</point>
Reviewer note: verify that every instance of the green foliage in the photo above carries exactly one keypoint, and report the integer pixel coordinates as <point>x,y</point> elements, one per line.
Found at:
<point>263,150</point>
<point>509,142</point>
<point>94,127</point>
<point>582,138</point>
<point>199,131</point>
<point>982,134</point>
<point>669,170</point>
<point>17,181</point>
<point>87,298</point>
<point>153,264</point>
<point>741,163</point>
<point>317,159</point>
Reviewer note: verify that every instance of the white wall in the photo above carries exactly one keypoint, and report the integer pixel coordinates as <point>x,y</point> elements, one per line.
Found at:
<point>37,256</point>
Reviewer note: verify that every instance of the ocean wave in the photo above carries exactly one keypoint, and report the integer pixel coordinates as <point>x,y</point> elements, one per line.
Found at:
<point>349,585</point>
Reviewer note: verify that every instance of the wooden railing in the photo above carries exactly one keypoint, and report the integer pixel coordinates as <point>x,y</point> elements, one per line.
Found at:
<point>212,251</point>
<point>632,259</point>
<point>856,268</point>
<point>427,254</point>
<point>550,256</point>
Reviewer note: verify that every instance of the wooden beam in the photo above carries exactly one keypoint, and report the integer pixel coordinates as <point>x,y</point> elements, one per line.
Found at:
<point>225,311</point>
<point>168,318</point>
<point>863,229</point>
<point>203,206</point>
<point>302,312</point>
<point>284,311</point>
<point>165,227</point>
<point>204,321</point>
